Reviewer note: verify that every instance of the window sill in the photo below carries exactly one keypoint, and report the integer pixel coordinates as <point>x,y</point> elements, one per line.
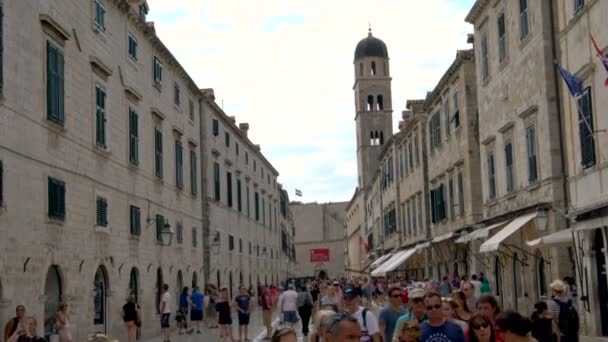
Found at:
<point>56,127</point>
<point>190,121</point>
<point>133,237</point>
<point>491,202</point>
<point>159,180</point>
<point>55,221</point>
<point>511,195</point>
<point>524,42</point>
<point>101,229</point>
<point>157,85</point>
<point>487,81</point>
<point>533,186</point>
<point>133,167</point>
<point>105,151</point>
<point>503,64</point>
<point>177,108</point>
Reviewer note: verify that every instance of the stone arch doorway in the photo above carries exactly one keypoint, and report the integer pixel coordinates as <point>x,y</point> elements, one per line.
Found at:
<point>53,291</point>
<point>541,275</point>
<point>179,286</point>
<point>134,283</point>
<point>194,280</point>
<point>498,280</point>
<point>159,288</point>
<point>100,298</point>
<point>602,286</point>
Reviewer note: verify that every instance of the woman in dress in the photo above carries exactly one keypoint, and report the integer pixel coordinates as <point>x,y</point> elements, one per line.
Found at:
<point>63,326</point>
<point>224,307</point>
<point>210,313</point>
<point>132,317</point>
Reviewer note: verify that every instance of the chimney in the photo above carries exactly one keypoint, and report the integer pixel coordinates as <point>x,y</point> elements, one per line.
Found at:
<point>244,127</point>
<point>233,119</point>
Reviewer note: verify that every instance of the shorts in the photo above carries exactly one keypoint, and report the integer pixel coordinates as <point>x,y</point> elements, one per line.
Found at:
<point>243,319</point>
<point>164,320</point>
<point>196,315</point>
<point>266,317</point>
<point>290,316</point>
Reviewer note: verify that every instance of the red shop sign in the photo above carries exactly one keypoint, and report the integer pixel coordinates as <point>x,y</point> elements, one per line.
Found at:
<point>319,255</point>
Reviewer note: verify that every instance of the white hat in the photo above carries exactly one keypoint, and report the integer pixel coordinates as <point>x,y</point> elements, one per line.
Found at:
<point>416,293</point>
<point>558,285</point>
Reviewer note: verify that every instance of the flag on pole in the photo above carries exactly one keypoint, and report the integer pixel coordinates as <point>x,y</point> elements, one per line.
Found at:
<point>363,244</point>
<point>603,58</point>
<point>574,84</point>
<point>298,192</point>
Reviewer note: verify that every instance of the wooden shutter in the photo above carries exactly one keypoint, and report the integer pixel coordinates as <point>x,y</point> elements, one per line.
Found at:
<point>433,207</point>
<point>238,195</point>
<point>158,148</point>
<point>193,173</point>
<point>54,83</point>
<point>56,199</point>
<point>133,137</point>
<point>216,127</point>
<point>585,118</point>
<point>460,194</point>
<point>531,142</point>
<point>160,221</point>
<point>179,165</point>
<point>102,212</point>
<point>100,114</point>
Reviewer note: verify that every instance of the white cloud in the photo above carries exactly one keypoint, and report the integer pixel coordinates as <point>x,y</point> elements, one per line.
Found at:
<point>286,68</point>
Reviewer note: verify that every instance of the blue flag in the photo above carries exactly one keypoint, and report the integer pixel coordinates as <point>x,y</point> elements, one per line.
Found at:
<point>574,84</point>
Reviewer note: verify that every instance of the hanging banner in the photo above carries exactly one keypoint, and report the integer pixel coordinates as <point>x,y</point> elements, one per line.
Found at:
<point>319,255</point>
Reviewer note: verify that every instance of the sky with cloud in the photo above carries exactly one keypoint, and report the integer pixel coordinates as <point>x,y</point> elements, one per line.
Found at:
<point>286,68</point>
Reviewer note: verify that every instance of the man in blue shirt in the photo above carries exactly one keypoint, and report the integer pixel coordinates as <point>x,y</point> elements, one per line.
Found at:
<point>437,328</point>
<point>391,313</point>
<point>196,303</point>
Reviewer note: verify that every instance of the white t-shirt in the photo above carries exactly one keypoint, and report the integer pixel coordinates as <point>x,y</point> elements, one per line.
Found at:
<point>289,299</point>
<point>166,298</point>
<point>477,284</point>
<point>371,325</point>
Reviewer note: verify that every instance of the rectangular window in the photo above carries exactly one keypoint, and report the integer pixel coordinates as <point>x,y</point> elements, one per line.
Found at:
<point>420,211</point>
<point>585,129</point>
<point>240,245</point>
<point>180,233</point>
<point>100,14</point>
<point>491,177</point>
<point>158,152</point>
<point>410,154</point>
<point>160,222</point>
<point>102,212</point>
<point>158,71</point>
<point>441,206</point>
<point>578,5</point>
<point>460,194</point>
<point>135,220</point>
<point>133,137</point>
<point>262,173</point>
<point>485,68</point>
<point>132,47</point>
<point>456,117</point>
<point>451,198</point>
<point>254,166</point>
<point>523,19</point>
<point>248,202</point>
<point>246,158</point>
<point>416,151</point>
<point>413,204</point>
<point>216,181</point>
<point>227,139</point>
<point>531,146</point>
<point>176,95</point>
<point>194,237</point>
<point>239,200</point>
<point>446,115</point>
<point>509,167</point>
<point>229,188</point>
<point>193,173</point>
<point>502,39</point>
<point>433,198</point>
<point>263,211</point>
<point>191,109</point>
<point>56,199</point>
<point>179,165</point>
<point>54,84</point>
<point>216,127</point>
<point>236,148</point>
<point>230,243</point>
<point>100,116</point>
<point>256,199</point>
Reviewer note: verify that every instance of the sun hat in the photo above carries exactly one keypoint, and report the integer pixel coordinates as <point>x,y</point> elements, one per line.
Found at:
<point>558,285</point>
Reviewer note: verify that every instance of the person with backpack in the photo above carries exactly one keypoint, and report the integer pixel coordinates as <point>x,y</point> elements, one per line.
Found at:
<point>564,312</point>
<point>370,331</point>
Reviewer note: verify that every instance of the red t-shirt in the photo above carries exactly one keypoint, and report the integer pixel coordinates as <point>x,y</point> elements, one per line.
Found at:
<point>405,296</point>
<point>266,301</point>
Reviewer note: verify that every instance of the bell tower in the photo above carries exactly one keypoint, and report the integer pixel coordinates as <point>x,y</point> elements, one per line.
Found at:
<point>373,104</point>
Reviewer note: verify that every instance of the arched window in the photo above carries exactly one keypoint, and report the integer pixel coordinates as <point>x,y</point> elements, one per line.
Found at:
<point>194,280</point>
<point>53,291</point>
<point>219,278</point>
<point>100,297</point>
<point>517,280</point>
<point>159,288</point>
<point>370,103</point>
<point>373,69</point>
<point>372,141</point>
<point>360,69</point>
<point>541,277</point>
<point>376,138</point>
<point>134,283</point>
<point>179,286</point>
<point>381,138</point>
<point>380,103</point>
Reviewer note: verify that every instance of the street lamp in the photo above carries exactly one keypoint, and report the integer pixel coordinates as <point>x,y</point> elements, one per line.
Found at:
<point>166,233</point>
<point>541,219</point>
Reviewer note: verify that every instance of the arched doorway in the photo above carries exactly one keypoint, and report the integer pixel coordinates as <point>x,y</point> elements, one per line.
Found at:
<point>230,284</point>
<point>53,290</point>
<point>322,275</point>
<point>518,288</point>
<point>159,288</point>
<point>219,283</point>
<point>179,285</point>
<point>100,297</point>
<point>541,276</point>
<point>241,279</point>
<point>194,280</point>
<point>134,283</point>
<point>600,261</point>
<point>498,280</point>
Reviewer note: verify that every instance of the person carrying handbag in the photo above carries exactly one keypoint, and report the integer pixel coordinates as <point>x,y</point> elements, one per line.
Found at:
<point>131,315</point>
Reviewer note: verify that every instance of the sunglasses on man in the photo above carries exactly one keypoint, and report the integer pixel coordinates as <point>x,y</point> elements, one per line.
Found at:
<point>433,307</point>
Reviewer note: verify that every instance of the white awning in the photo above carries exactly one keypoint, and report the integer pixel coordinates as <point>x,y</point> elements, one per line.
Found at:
<point>494,242</point>
<point>561,238</point>
<point>379,270</point>
<point>400,260</point>
<point>442,237</point>
<point>380,259</point>
<point>423,245</point>
<point>387,266</point>
<point>479,233</point>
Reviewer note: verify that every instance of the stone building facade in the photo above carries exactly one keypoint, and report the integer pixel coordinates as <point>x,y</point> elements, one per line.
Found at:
<point>319,238</point>
<point>97,152</point>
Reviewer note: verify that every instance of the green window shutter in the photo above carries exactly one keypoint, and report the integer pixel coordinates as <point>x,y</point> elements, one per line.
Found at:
<point>54,84</point>
<point>216,181</point>
<point>180,232</point>
<point>460,194</point>
<point>100,114</point>
<point>56,199</point>
<point>160,221</point>
<point>216,127</point>
<point>135,220</point>
<point>451,198</point>
<point>532,163</point>
<point>194,238</point>
<point>179,165</point>
<point>238,195</point>
<point>193,173</point>
<point>229,188</point>
<point>158,152</point>
<point>133,137</point>
<point>257,206</point>
<point>102,212</point>
<point>585,118</point>
<point>433,207</point>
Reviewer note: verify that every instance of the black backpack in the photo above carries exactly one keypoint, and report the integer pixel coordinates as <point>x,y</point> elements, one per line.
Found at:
<point>567,320</point>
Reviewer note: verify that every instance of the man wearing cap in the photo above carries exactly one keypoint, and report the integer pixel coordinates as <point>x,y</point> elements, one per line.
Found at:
<point>418,312</point>
<point>564,313</point>
<point>370,331</point>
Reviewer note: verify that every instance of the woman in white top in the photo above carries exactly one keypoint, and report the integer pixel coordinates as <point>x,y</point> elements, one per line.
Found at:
<point>63,326</point>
